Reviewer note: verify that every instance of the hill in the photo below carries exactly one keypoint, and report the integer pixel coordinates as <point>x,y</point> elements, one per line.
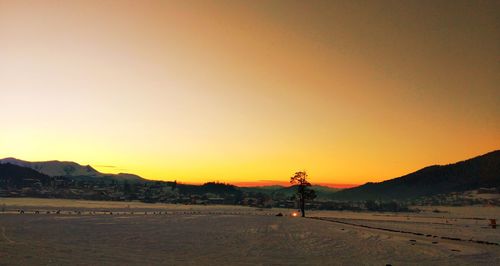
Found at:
<point>55,168</point>
<point>17,176</point>
<point>481,171</point>
<point>69,169</point>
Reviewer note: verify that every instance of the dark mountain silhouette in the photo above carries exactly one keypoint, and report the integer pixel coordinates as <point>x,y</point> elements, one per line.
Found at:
<point>128,177</point>
<point>210,187</point>
<point>17,176</point>
<point>481,171</point>
<point>69,169</point>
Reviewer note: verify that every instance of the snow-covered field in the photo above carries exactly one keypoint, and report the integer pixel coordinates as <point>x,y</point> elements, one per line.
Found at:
<point>86,233</point>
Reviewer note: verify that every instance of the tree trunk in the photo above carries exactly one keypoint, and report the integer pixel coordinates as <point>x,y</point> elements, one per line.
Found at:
<point>302,206</point>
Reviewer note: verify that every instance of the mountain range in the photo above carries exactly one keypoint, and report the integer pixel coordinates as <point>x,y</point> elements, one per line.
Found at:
<point>479,172</point>
<point>69,169</point>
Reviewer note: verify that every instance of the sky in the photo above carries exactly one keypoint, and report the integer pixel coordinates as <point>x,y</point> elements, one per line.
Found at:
<point>250,91</point>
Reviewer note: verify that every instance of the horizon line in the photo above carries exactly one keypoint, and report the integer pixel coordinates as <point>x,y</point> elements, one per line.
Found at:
<point>263,183</point>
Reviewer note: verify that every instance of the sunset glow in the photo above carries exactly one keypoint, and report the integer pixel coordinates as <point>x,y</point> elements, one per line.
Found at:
<point>248,92</point>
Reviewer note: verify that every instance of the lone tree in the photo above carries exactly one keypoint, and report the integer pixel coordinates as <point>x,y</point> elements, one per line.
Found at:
<point>303,192</point>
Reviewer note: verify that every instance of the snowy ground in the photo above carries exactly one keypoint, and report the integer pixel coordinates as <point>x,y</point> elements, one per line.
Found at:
<point>153,234</point>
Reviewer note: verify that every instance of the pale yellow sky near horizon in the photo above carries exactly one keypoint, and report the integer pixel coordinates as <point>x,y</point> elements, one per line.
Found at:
<point>351,91</point>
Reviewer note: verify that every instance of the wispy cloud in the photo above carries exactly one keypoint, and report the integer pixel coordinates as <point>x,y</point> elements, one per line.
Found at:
<point>106,166</point>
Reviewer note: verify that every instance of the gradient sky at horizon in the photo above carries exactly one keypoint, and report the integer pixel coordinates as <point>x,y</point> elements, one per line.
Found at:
<point>238,91</point>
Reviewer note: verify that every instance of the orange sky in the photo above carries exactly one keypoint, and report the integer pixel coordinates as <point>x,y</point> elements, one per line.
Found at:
<point>242,91</point>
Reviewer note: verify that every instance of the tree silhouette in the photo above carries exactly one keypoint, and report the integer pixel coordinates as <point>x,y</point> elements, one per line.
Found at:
<point>303,192</point>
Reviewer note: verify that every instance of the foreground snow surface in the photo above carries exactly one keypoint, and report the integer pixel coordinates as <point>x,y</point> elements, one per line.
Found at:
<point>118,233</point>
